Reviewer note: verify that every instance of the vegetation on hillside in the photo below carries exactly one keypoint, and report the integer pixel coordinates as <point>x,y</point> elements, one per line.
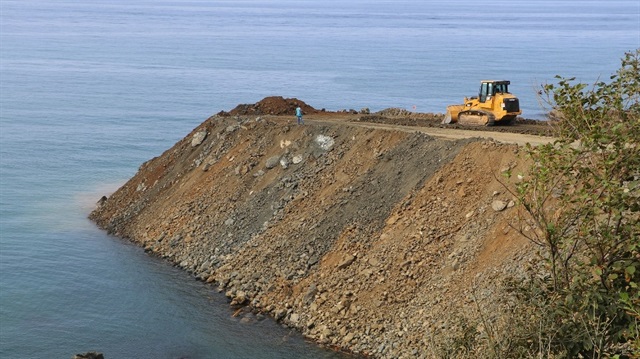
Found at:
<point>580,205</point>
<point>581,198</point>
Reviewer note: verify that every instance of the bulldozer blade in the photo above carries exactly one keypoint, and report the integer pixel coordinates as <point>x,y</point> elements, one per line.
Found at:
<point>452,114</point>
<point>447,118</point>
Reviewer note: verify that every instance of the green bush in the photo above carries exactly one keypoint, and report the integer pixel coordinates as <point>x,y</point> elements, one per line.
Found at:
<point>581,197</point>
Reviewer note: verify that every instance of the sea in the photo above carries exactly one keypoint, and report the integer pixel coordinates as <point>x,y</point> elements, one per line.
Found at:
<point>89,90</point>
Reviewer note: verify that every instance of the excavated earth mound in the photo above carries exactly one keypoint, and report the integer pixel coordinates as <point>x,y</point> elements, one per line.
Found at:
<point>367,240</point>
<point>274,105</point>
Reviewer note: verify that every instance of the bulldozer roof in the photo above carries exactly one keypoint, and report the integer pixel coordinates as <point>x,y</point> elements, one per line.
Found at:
<point>497,81</point>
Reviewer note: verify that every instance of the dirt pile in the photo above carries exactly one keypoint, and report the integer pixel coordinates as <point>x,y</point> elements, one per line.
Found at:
<point>274,105</point>
<point>368,240</point>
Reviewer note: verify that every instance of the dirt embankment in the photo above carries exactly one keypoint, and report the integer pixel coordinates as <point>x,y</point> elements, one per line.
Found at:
<point>369,240</point>
<point>279,106</point>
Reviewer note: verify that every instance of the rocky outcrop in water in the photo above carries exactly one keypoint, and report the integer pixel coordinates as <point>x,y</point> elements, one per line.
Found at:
<point>89,355</point>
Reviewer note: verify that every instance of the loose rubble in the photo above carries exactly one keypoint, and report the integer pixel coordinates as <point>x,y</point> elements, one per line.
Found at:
<point>370,241</point>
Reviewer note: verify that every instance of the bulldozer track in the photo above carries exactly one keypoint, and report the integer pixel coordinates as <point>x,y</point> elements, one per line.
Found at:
<point>476,118</point>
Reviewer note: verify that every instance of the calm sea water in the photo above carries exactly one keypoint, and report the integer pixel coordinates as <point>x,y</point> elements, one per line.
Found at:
<point>89,90</point>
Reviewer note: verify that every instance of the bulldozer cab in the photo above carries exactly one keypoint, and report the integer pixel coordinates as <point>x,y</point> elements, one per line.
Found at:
<point>491,88</point>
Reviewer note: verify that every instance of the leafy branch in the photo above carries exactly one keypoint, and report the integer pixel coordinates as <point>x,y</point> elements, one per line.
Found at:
<point>582,197</point>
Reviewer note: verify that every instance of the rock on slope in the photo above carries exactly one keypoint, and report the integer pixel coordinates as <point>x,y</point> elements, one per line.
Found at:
<point>368,240</point>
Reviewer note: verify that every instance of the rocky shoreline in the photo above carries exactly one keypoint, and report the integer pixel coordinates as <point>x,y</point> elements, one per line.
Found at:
<point>373,242</point>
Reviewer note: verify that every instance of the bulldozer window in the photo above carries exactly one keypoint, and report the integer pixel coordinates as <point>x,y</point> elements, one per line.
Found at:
<point>484,91</point>
<point>502,88</point>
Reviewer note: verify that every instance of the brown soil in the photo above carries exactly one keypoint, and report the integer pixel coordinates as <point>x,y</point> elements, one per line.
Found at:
<point>521,125</point>
<point>365,232</point>
<point>279,106</point>
<point>274,105</point>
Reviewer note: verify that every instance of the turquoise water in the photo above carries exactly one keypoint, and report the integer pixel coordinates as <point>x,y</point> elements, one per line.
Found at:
<point>90,90</point>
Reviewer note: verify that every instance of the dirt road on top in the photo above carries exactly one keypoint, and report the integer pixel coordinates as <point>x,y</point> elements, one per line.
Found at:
<point>447,133</point>
<point>281,110</point>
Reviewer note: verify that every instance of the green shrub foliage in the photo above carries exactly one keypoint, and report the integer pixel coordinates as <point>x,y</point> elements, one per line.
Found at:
<point>581,200</point>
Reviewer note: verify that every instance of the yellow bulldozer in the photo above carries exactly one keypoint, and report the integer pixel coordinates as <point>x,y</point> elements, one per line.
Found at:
<point>493,105</point>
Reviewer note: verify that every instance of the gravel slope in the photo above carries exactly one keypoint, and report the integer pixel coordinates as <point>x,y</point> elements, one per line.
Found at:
<point>369,239</point>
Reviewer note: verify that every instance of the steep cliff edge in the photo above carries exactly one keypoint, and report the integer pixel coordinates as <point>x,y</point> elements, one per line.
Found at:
<point>370,240</point>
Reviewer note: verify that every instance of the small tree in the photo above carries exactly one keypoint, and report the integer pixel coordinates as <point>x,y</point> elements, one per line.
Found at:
<point>581,198</point>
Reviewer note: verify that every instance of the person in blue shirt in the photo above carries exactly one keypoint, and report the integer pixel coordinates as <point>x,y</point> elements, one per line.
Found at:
<point>299,115</point>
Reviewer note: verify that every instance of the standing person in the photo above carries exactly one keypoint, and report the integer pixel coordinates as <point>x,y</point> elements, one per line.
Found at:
<point>299,115</point>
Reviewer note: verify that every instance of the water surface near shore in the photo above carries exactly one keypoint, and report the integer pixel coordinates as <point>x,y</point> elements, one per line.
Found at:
<point>90,90</point>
